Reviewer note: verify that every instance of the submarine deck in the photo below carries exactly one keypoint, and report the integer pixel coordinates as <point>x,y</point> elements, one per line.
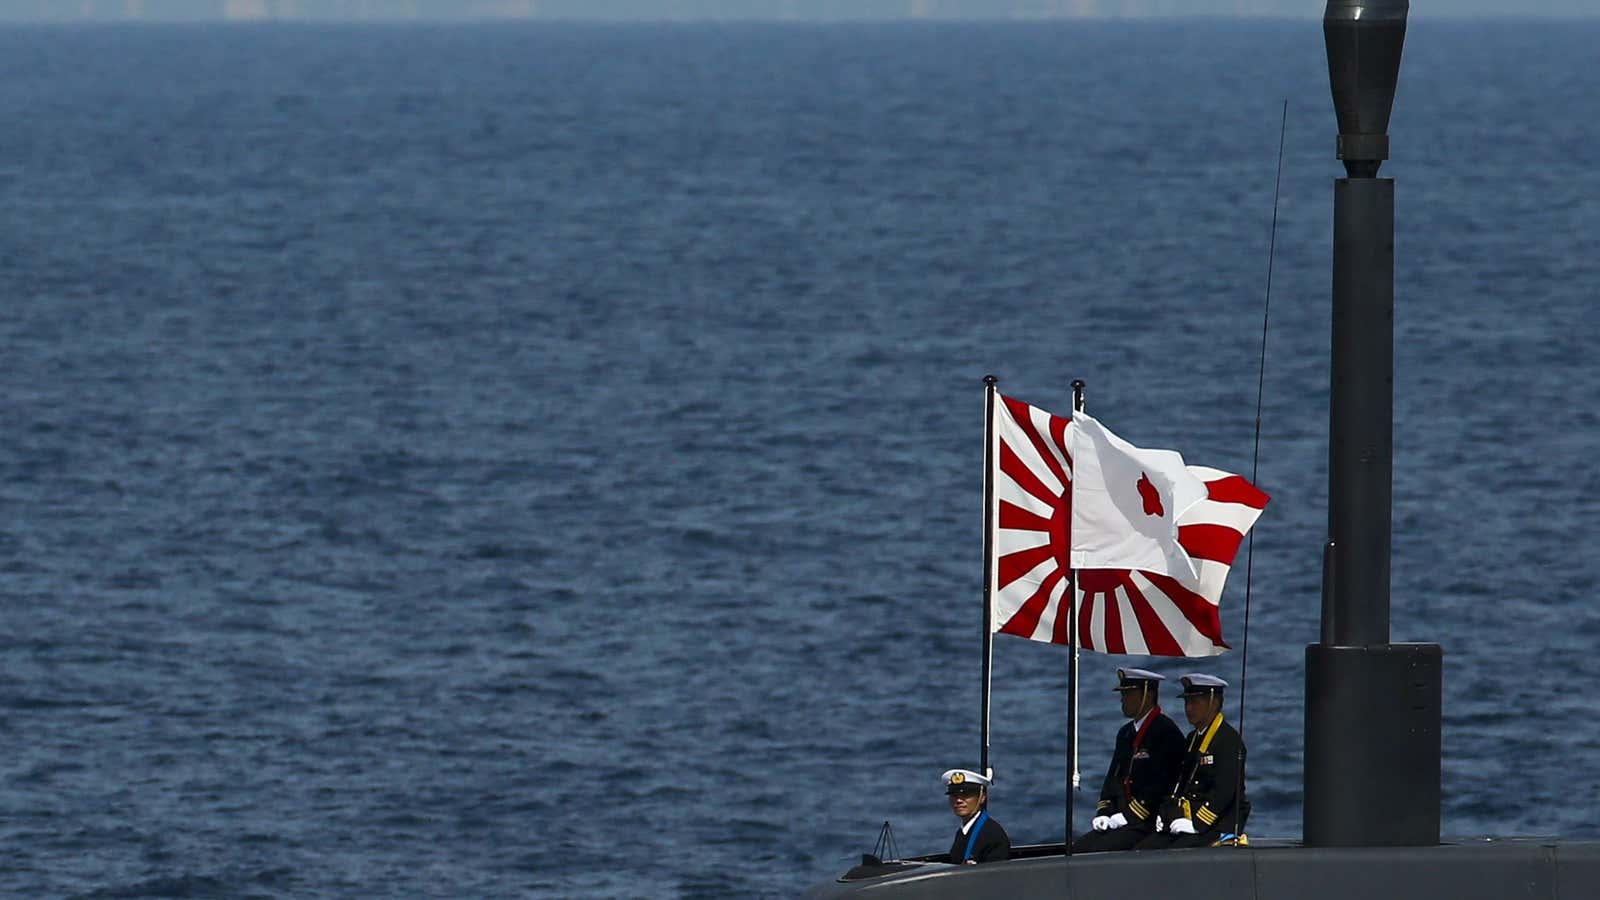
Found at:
<point>1458,869</point>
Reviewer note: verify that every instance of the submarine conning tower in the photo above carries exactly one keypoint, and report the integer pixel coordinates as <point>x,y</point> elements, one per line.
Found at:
<point>1372,735</point>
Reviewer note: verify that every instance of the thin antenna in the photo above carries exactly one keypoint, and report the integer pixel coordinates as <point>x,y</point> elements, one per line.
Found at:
<point>1255,465</point>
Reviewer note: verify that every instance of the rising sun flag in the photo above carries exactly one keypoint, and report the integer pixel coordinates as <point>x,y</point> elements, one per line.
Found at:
<point>1193,519</point>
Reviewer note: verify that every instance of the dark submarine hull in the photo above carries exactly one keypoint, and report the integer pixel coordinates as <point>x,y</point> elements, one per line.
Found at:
<point>1461,869</point>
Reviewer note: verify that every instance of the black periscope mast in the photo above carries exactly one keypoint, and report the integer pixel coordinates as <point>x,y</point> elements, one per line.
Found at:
<point>1372,810</point>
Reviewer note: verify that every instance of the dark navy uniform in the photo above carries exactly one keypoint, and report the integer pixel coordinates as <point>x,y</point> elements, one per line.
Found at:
<point>1210,783</point>
<point>980,839</point>
<point>990,844</point>
<point>1143,770</point>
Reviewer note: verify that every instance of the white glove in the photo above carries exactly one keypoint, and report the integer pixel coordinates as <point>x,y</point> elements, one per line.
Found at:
<point>1118,820</point>
<point>1181,826</point>
<point>1100,823</point>
<point>1160,825</point>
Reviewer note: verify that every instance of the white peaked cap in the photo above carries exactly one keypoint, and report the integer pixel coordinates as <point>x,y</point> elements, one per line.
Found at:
<point>965,776</point>
<point>1197,683</point>
<point>1127,675</point>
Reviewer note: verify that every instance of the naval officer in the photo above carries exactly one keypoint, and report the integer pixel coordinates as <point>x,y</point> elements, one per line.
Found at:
<point>1143,770</point>
<point>981,839</point>
<point>1210,778</point>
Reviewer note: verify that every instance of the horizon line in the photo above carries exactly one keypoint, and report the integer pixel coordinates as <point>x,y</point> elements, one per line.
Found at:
<point>541,19</point>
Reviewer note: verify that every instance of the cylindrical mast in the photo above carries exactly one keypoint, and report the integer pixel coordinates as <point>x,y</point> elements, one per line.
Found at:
<point>1372,708</point>
<point>1364,40</point>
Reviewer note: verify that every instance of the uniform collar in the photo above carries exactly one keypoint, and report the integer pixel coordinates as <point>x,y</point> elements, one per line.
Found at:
<point>967,825</point>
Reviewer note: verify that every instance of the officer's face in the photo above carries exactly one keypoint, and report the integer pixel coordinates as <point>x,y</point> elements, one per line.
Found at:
<point>1133,701</point>
<point>1200,709</point>
<point>965,806</point>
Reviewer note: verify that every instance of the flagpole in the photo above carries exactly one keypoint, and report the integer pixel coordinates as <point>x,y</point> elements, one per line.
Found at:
<point>1072,671</point>
<point>989,384</point>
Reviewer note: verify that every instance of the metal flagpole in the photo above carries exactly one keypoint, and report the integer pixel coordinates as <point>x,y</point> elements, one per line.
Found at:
<point>1072,672</point>
<point>989,383</point>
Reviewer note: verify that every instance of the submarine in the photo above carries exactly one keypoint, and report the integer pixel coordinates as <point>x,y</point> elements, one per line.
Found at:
<point>1372,795</point>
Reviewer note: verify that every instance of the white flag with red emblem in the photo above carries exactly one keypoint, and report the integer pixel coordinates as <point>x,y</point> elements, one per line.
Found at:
<point>1123,609</point>
<point>1126,502</point>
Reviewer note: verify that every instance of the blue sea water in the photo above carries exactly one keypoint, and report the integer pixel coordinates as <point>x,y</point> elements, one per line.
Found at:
<point>545,461</point>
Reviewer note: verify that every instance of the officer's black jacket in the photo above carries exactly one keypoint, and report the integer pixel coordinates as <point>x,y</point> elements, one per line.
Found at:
<point>1209,778</point>
<point>992,845</point>
<point>1154,771</point>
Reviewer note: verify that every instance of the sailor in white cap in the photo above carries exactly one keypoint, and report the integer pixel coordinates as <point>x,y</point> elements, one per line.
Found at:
<point>1201,812</point>
<point>981,839</point>
<point>1144,767</point>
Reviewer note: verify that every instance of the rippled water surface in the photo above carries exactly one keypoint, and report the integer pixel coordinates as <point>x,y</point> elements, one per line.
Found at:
<point>546,461</point>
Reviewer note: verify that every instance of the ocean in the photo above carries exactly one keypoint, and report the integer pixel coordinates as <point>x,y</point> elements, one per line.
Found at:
<point>546,460</point>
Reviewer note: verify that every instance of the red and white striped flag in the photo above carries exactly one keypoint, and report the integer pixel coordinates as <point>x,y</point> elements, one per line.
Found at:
<point>1128,611</point>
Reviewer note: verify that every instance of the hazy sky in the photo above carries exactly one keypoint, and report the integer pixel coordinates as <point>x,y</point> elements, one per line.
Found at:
<point>670,10</point>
